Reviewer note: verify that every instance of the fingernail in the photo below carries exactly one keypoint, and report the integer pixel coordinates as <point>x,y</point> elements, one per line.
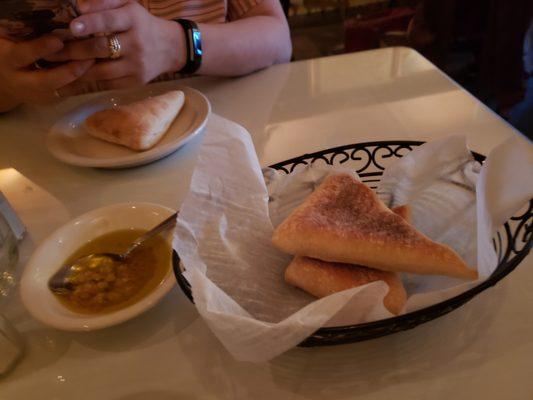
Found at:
<point>77,27</point>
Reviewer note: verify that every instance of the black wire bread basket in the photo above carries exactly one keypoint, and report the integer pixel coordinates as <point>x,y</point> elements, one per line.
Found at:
<point>512,241</point>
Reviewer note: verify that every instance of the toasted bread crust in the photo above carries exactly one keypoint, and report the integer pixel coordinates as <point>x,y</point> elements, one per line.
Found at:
<point>322,278</point>
<point>344,221</point>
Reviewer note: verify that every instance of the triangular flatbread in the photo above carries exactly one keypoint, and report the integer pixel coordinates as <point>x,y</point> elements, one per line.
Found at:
<point>344,221</point>
<point>138,125</point>
<point>322,278</point>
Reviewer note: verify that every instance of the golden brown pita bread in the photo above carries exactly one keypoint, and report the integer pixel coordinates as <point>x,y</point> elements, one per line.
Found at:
<point>403,211</point>
<point>138,125</point>
<point>344,221</point>
<point>322,278</point>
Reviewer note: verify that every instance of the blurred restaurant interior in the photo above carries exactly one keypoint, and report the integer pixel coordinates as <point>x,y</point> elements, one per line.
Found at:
<point>484,45</point>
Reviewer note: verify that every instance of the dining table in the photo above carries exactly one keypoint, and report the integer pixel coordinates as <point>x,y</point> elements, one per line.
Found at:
<point>483,349</point>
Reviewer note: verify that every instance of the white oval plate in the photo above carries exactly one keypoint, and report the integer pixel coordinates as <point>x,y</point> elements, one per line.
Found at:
<point>52,253</point>
<point>68,141</point>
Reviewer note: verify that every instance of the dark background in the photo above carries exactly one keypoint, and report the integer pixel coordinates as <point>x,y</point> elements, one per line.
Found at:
<point>479,43</point>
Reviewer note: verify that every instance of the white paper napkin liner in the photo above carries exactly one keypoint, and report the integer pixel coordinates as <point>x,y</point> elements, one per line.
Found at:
<point>249,339</point>
<point>505,185</point>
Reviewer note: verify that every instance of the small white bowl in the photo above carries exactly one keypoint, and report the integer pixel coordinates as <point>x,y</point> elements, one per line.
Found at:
<point>49,256</point>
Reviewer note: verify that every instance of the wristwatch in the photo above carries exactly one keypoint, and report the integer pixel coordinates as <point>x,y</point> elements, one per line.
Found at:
<point>193,40</point>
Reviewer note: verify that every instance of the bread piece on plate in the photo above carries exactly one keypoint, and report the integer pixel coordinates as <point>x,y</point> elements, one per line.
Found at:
<point>138,125</point>
<point>322,278</point>
<point>344,221</point>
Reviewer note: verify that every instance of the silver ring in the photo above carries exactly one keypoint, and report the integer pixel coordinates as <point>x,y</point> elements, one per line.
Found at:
<point>115,49</point>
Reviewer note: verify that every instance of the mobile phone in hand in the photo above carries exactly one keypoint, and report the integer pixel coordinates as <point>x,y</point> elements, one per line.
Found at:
<point>28,19</point>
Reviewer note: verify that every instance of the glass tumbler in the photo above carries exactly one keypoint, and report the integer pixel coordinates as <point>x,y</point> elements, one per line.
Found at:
<point>8,259</point>
<point>10,343</point>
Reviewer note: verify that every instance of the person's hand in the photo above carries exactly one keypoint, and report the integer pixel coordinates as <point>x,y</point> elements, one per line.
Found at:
<point>150,45</point>
<point>20,82</point>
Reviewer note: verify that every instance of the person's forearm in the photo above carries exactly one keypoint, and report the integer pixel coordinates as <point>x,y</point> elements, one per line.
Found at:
<point>244,46</point>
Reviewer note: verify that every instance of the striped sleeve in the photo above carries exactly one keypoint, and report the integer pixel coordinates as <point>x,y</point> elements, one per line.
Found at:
<point>196,10</point>
<point>237,8</point>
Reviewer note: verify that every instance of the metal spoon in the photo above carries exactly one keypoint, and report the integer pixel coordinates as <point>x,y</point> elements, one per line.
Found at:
<point>58,283</point>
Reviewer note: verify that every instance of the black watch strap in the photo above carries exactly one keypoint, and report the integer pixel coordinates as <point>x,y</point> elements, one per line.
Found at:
<point>193,40</point>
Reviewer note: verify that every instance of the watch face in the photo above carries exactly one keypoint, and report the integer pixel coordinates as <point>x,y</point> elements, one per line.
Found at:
<point>197,42</point>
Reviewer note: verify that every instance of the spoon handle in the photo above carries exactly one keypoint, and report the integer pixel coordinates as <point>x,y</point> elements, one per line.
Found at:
<point>166,224</point>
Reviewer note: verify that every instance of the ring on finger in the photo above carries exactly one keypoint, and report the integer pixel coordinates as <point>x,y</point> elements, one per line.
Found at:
<point>114,46</point>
